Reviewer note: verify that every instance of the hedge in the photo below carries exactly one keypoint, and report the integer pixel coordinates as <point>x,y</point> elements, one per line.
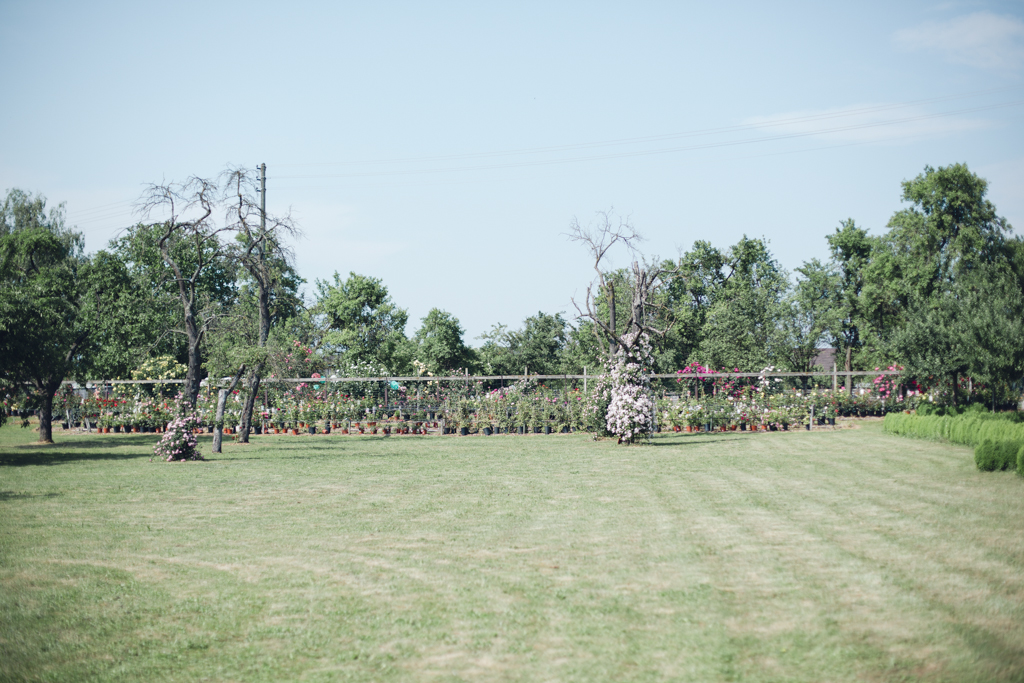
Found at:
<point>969,429</point>
<point>996,456</point>
<point>998,438</point>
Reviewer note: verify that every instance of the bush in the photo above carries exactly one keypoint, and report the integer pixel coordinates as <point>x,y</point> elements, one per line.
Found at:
<point>179,442</point>
<point>996,456</point>
<point>969,429</point>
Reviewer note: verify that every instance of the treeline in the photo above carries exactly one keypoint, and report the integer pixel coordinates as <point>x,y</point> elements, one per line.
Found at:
<point>206,286</point>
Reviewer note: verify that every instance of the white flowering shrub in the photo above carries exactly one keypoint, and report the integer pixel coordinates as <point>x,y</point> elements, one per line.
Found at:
<point>631,408</point>
<point>179,441</point>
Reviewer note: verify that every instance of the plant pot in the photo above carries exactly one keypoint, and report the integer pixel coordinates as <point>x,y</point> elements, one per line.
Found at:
<point>547,429</point>
<point>63,425</point>
<point>487,431</point>
<point>295,431</point>
<point>463,431</point>
<point>832,422</point>
<point>327,429</point>
<point>564,430</point>
<point>743,426</point>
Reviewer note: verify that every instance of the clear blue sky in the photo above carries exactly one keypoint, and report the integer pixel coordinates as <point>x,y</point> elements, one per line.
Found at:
<point>446,147</point>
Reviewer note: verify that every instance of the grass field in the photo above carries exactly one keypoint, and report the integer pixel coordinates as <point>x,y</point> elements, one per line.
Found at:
<point>843,556</point>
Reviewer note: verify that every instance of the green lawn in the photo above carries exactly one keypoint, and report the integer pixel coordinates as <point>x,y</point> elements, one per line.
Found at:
<point>841,556</point>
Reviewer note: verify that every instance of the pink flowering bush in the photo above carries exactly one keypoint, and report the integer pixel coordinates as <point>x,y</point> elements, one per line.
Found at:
<point>179,441</point>
<point>631,410</point>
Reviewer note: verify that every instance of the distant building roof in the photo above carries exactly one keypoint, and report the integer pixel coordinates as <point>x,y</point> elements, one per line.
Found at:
<point>825,358</point>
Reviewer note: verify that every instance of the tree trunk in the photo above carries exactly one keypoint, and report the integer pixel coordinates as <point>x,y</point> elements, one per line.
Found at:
<point>257,372</point>
<point>612,346</point>
<point>218,421</point>
<point>195,361</point>
<point>245,424</point>
<point>849,368</point>
<point>45,414</point>
<point>956,389</point>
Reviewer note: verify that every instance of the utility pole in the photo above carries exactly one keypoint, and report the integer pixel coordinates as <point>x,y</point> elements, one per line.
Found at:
<point>263,210</point>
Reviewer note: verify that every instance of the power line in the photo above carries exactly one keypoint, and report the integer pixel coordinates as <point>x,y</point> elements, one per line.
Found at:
<point>664,150</point>
<point>774,123</point>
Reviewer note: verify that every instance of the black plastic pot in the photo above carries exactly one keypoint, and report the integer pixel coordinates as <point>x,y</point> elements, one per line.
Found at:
<point>463,431</point>
<point>522,429</point>
<point>832,421</point>
<point>743,426</point>
<point>565,430</point>
<point>487,431</point>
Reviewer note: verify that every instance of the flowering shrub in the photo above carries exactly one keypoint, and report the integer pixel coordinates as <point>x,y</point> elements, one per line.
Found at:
<point>631,408</point>
<point>179,441</point>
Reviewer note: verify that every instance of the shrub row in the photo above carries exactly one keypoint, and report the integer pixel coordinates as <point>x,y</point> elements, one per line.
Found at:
<point>995,456</point>
<point>998,438</point>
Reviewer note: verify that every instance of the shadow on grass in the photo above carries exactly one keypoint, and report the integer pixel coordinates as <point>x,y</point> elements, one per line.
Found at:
<point>79,448</point>
<point>13,495</point>
<point>695,440</point>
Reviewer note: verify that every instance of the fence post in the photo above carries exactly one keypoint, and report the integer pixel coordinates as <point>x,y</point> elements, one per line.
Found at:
<point>584,379</point>
<point>835,378</point>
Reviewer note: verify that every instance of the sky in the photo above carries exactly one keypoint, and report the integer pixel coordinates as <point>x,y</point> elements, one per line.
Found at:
<point>446,148</point>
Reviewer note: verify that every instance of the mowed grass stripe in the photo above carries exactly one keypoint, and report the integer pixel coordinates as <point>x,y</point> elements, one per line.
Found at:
<point>850,555</point>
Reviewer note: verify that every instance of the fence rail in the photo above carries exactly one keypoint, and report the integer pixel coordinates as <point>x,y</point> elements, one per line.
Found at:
<point>495,378</point>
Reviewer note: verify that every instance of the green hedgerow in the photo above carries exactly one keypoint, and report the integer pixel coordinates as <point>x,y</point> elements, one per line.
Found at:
<point>996,456</point>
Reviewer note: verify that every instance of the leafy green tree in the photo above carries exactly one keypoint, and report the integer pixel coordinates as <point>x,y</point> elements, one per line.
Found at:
<point>744,308</point>
<point>439,343</point>
<point>852,249</point>
<point>968,328</point>
<point>361,323</point>
<point>812,312</point>
<point>52,302</point>
<point>537,346</point>
<point>941,295</point>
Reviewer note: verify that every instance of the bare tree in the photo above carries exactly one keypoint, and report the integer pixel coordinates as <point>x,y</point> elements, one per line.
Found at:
<point>190,244</point>
<point>645,279</point>
<point>261,251</point>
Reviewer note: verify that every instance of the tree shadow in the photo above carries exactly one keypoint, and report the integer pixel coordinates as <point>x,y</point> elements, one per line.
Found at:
<point>13,495</point>
<point>675,441</point>
<point>92,447</point>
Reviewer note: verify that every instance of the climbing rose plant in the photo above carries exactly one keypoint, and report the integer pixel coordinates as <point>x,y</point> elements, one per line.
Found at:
<point>631,408</point>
